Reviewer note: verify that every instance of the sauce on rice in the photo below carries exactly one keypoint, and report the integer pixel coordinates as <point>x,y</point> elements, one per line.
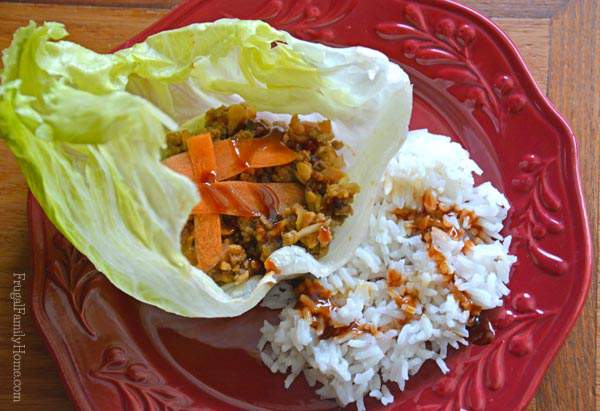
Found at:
<point>316,302</point>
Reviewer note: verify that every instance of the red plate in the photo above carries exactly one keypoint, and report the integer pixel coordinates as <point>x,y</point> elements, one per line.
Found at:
<point>114,352</point>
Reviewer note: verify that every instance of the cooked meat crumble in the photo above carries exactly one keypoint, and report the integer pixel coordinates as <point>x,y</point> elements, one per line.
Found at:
<point>328,194</point>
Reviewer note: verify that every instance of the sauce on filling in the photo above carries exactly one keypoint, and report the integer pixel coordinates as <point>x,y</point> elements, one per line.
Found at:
<point>209,177</point>
<point>244,155</point>
<point>222,197</point>
<point>242,160</point>
<point>296,163</point>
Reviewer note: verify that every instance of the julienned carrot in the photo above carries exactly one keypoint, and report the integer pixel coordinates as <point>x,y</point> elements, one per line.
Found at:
<point>202,156</point>
<point>180,163</point>
<point>268,152</point>
<point>237,198</point>
<point>207,228</point>
<point>235,157</point>
<point>207,233</point>
<point>245,199</point>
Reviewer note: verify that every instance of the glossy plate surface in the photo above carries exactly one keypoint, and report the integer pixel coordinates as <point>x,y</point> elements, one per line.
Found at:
<point>116,353</point>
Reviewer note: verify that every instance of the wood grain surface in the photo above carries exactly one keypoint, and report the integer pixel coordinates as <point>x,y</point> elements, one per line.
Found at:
<point>560,41</point>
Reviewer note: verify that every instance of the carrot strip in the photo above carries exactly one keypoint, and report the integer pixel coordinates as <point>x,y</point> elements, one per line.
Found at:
<point>207,233</point>
<point>268,152</point>
<point>237,198</point>
<point>235,157</point>
<point>180,163</point>
<point>202,156</point>
<point>245,199</point>
<point>207,228</point>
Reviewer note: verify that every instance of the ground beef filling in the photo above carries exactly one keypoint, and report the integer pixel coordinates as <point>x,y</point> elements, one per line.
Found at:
<point>328,195</point>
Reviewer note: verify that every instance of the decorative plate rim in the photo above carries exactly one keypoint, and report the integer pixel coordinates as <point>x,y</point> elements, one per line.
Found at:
<point>508,48</point>
<point>65,369</point>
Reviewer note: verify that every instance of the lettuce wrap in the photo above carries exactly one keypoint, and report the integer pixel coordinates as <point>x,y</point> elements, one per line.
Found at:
<point>87,130</point>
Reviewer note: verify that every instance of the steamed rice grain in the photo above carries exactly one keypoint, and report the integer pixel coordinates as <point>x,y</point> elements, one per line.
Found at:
<point>349,367</point>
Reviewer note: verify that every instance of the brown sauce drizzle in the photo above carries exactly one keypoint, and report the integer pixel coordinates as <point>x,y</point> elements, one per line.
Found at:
<point>354,328</point>
<point>245,155</point>
<point>315,301</point>
<point>277,42</point>
<point>222,197</point>
<point>208,177</point>
<point>481,330</point>
<point>406,299</point>
<point>407,302</point>
<point>242,158</point>
<point>394,278</point>
<point>315,304</point>
<point>432,216</point>
<point>268,199</point>
<point>464,300</point>
<point>468,247</point>
<point>314,291</point>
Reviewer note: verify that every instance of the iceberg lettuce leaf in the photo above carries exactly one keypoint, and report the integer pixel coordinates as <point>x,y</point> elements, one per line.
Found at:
<point>87,130</point>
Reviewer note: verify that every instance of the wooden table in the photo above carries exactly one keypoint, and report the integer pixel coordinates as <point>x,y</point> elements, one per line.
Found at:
<point>560,41</point>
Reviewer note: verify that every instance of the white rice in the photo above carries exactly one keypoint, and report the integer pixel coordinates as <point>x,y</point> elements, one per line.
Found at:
<point>352,366</point>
